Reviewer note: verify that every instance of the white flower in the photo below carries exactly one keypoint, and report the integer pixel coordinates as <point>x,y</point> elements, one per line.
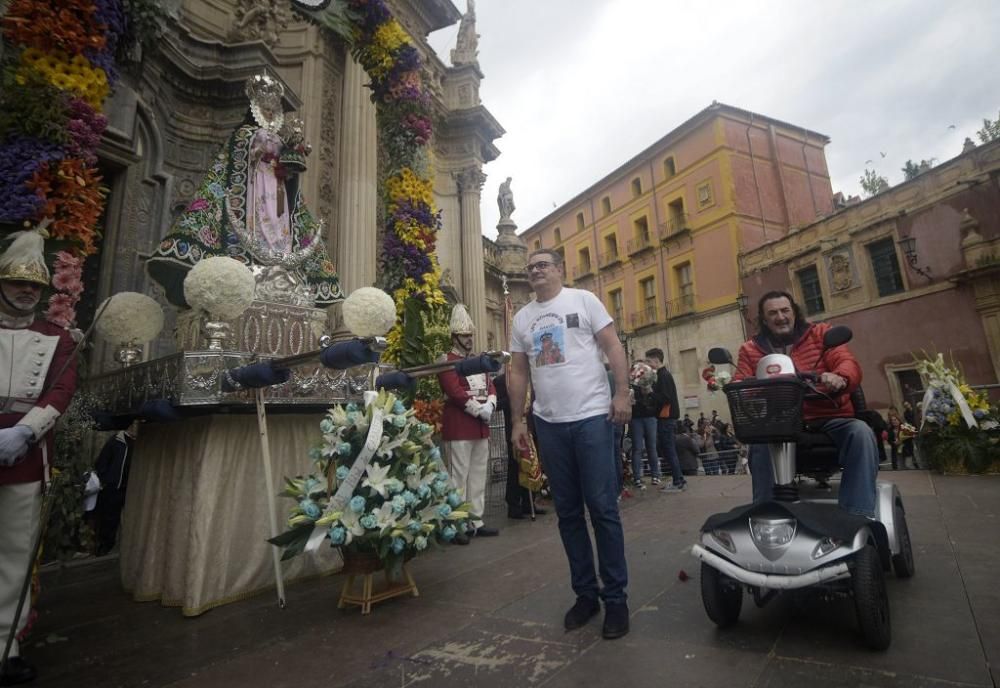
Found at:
<point>129,317</point>
<point>351,521</point>
<point>223,287</point>
<point>384,517</point>
<point>376,477</point>
<point>369,312</point>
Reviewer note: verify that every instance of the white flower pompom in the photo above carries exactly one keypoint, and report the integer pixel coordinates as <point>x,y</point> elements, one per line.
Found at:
<point>129,317</point>
<point>222,287</point>
<point>369,312</point>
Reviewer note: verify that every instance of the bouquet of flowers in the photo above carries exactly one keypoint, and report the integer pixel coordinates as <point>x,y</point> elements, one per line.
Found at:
<point>379,486</point>
<point>642,376</point>
<point>958,432</point>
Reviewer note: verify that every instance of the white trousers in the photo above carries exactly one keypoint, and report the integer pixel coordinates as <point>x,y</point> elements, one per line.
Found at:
<point>20,507</point>
<point>467,462</point>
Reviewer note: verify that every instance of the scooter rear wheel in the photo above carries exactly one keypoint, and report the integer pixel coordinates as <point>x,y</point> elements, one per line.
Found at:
<point>871,601</point>
<point>902,563</point>
<point>722,596</point>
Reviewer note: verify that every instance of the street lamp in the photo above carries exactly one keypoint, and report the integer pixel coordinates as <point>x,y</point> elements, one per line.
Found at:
<point>624,338</point>
<point>908,245</point>
<point>743,301</point>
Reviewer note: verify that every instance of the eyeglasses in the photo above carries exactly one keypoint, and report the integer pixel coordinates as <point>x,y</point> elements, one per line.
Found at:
<point>539,265</point>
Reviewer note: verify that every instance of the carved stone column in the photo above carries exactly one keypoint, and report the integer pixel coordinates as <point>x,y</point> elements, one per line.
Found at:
<point>357,235</point>
<point>470,185</point>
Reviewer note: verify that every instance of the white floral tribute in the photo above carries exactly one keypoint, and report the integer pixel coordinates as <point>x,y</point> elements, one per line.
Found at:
<point>402,502</point>
<point>129,318</point>
<point>369,312</point>
<point>222,287</point>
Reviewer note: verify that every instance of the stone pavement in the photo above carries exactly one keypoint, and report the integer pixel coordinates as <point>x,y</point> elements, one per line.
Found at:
<point>490,614</point>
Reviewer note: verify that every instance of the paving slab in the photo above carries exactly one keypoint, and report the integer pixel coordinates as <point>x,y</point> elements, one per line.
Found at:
<point>490,614</point>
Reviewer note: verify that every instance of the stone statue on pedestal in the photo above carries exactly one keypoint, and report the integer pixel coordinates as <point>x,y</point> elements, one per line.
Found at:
<point>505,200</point>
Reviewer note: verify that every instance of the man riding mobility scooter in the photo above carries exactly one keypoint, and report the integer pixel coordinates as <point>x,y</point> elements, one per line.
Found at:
<point>783,543</point>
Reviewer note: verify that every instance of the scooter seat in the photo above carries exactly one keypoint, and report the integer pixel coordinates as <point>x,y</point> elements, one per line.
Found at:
<point>816,453</point>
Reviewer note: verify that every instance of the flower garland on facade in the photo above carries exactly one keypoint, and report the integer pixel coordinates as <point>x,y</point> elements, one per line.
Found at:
<point>408,264</point>
<point>60,70</point>
<point>61,65</point>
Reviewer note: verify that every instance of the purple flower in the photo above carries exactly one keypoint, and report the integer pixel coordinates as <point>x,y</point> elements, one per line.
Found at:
<point>20,158</point>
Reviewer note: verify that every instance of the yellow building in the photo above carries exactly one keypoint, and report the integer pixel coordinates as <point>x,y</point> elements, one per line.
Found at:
<point>659,238</point>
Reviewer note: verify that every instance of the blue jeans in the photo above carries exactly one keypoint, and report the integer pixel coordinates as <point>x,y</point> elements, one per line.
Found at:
<point>667,428</point>
<point>858,458</point>
<point>644,439</point>
<point>619,434</point>
<point>578,461</point>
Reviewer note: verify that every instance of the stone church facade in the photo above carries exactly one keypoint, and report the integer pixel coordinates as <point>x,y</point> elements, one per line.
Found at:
<point>169,118</point>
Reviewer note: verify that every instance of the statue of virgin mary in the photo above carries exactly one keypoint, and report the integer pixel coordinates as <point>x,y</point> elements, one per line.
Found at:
<point>249,207</point>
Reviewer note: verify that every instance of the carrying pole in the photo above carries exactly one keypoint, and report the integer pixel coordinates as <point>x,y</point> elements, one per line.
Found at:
<point>265,450</point>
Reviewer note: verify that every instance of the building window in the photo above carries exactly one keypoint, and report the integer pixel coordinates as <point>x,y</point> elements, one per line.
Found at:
<point>615,305</point>
<point>684,303</point>
<point>641,230</point>
<point>705,195</point>
<point>611,246</point>
<point>606,205</point>
<point>647,287</point>
<point>885,265</point>
<point>538,244</point>
<point>636,187</point>
<point>558,234</point>
<point>562,255</point>
<point>676,218</point>
<point>669,168</point>
<point>583,258</point>
<point>812,292</point>
<point>579,222</point>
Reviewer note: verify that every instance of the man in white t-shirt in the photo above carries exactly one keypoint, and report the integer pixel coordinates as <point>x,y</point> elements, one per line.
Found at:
<point>558,339</point>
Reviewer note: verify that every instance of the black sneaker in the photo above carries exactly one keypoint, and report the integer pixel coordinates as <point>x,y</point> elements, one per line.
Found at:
<point>615,620</point>
<point>460,539</point>
<point>581,612</point>
<point>15,671</point>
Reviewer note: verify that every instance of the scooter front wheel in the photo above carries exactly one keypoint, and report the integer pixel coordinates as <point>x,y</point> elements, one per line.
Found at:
<point>722,596</point>
<point>871,601</point>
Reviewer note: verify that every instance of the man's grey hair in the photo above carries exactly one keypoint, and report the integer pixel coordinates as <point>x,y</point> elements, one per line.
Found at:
<point>556,256</point>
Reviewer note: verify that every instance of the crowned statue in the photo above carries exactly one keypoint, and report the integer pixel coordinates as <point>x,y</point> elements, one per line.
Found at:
<point>250,207</point>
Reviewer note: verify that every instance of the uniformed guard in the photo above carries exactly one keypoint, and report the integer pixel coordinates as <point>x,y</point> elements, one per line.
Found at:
<point>469,405</point>
<point>37,381</point>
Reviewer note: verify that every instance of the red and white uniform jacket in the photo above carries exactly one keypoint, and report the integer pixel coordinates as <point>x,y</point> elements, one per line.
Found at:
<point>465,397</point>
<point>30,358</point>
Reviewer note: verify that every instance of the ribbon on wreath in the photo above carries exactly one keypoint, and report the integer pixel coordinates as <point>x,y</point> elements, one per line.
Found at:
<point>343,494</point>
<point>948,386</point>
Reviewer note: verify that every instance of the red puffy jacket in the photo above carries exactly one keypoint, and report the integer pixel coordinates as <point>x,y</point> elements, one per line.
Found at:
<point>805,355</point>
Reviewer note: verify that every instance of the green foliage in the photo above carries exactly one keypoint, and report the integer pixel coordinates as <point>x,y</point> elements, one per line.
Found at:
<point>67,533</point>
<point>338,18</point>
<point>34,108</point>
<point>962,449</point>
<point>873,183</point>
<point>990,130</point>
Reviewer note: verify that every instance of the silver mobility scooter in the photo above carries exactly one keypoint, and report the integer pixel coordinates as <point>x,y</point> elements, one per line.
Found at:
<point>790,544</point>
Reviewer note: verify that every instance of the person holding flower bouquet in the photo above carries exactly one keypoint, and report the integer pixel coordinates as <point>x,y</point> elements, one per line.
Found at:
<point>643,424</point>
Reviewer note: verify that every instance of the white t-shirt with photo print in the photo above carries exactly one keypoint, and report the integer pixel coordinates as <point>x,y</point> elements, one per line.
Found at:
<point>567,374</point>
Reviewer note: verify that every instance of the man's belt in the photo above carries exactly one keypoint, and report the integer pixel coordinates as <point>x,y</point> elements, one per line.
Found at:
<point>15,405</point>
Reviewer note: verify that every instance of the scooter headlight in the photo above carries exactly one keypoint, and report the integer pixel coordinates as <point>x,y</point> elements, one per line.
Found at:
<point>772,532</point>
<point>724,539</point>
<point>825,546</point>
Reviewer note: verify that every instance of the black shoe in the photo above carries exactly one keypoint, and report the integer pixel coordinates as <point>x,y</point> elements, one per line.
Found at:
<point>581,612</point>
<point>516,514</point>
<point>460,539</point>
<point>615,620</point>
<point>483,531</point>
<point>16,671</point>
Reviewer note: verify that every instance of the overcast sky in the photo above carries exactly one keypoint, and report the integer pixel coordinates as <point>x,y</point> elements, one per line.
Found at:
<point>583,85</point>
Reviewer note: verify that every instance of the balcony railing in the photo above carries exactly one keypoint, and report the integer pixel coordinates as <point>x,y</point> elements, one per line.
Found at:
<point>581,271</point>
<point>682,306</point>
<point>609,259</point>
<point>677,224</point>
<point>639,244</point>
<point>650,315</point>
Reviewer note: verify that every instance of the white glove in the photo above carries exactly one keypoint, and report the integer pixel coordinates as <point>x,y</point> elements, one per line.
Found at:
<point>486,411</point>
<point>473,408</point>
<point>14,443</point>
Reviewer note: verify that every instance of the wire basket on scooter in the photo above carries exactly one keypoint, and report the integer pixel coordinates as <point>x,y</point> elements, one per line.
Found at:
<point>766,410</point>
